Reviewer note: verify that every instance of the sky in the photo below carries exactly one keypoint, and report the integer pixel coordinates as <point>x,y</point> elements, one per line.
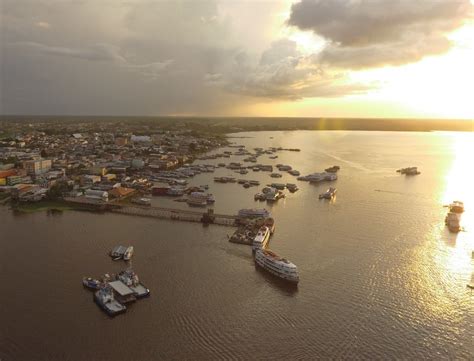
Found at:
<point>303,58</point>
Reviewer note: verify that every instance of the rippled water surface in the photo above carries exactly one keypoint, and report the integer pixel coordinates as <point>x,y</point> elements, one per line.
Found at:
<point>381,277</point>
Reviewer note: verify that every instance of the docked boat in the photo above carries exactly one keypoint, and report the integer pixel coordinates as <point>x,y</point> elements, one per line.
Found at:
<point>274,195</point>
<point>142,201</point>
<point>200,199</point>
<point>284,167</point>
<point>91,283</point>
<point>453,221</point>
<point>104,297</point>
<point>128,253</point>
<point>333,169</point>
<point>276,265</point>
<point>279,186</point>
<point>261,239</point>
<point>259,197</point>
<point>160,190</point>
<point>456,207</point>
<point>329,194</point>
<point>318,177</point>
<point>253,213</point>
<point>292,187</point>
<point>131,280</point>
<point>175,191</point>
<point>270,223</point>
<point>118,252</point>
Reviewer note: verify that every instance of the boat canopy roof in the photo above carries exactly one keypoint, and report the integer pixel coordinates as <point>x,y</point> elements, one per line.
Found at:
<point>121,288</point>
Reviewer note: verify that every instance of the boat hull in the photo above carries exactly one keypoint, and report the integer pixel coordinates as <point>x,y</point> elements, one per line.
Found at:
<point>288,278</point>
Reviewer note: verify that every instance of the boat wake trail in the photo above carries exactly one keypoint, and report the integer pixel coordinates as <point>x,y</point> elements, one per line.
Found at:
<point>352,164</point>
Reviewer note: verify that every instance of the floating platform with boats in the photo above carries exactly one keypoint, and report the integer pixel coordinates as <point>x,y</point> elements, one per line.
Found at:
<point>113,293</point>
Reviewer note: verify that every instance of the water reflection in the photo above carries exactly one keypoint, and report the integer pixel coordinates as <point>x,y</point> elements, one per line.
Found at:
<point>458,186</point>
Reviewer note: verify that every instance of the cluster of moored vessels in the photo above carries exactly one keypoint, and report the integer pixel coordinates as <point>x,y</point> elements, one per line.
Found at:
<point>113,292</point>
<point>453,218</point>
<point>269,260</point>
<point>269,194</point>
<point>265,258</point>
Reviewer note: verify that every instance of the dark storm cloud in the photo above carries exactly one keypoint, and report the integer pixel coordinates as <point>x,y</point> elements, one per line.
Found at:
<point>96,52</point>
<point>368,33</point>
<point>145,57</point>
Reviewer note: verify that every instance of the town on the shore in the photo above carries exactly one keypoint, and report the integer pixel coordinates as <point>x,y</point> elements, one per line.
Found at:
<point>51,160</point>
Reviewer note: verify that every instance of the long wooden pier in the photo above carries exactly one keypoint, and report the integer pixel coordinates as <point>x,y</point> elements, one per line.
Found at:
<point>176,214</point>
<point>208,217</point>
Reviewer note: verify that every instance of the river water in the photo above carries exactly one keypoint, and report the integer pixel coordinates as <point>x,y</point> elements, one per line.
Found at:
<point>380,276</point>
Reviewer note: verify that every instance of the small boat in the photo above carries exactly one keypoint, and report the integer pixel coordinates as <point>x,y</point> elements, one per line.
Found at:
<point>117,252</point>
<point>142,201</point>
<point>128,253</point>
<point>246,185</point>
<point>292,187</point>
<point>104,297</point>
<point>329,194</point>
<point>452,220</point>
<point>259,197</point>
<point>294,172</point>
<point>409,171</point>
<point>275,175</point>
<point>456,207</point>
<point>91,283</point>
<point>279,186</point>
<point>333,169</point>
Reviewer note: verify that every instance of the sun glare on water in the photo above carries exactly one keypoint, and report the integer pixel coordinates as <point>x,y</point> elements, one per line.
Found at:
<point>459,186</point>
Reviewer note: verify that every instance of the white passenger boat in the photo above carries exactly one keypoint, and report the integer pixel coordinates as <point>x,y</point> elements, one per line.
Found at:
<point>277,265</point>
<point>261,239</point>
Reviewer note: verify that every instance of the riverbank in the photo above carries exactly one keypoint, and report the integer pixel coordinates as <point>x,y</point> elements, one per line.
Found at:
<point>42,206</point>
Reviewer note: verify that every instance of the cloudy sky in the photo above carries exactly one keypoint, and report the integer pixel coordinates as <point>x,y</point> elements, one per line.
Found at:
<point>359,58</point>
